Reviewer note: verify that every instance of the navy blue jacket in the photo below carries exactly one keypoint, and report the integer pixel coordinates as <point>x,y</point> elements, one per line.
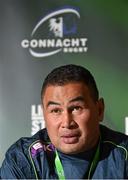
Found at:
<point>34,157</point>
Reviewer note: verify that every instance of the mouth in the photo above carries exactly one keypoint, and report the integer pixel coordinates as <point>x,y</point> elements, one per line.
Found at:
<point>70,139</point>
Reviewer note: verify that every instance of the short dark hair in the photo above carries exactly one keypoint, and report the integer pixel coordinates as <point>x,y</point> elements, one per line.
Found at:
<point>71,73</point>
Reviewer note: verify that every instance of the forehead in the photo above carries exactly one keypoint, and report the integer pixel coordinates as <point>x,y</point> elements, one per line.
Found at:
<point>68,91</point>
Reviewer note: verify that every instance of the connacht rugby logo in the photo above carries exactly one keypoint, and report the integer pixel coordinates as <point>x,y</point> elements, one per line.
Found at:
<point>56,32</point>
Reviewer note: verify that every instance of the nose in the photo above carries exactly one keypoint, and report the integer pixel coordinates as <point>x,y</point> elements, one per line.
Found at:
<point>67,121</point>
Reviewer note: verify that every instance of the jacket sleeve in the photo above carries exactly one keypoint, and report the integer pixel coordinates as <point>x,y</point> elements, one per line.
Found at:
<point>126,172</point>
<point>9,169</point>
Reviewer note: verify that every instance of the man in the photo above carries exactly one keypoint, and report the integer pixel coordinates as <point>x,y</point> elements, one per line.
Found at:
<point>73,145</point>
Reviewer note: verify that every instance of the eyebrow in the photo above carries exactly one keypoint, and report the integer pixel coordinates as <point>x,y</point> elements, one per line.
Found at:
<point>52,103</point>
<point>79,98</point>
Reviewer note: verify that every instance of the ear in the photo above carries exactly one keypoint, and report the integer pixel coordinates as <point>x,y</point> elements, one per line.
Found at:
<point>101,109</point>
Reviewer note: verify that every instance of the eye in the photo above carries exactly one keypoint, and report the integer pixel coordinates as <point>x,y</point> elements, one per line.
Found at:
<point>56,111</point>
<point>76,109</point>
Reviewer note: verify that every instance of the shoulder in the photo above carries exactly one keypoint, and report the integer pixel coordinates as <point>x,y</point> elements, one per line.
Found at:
<point>108,134</point>
<point>114,142</point>
<point>18,162</point>
<point>21,146</point>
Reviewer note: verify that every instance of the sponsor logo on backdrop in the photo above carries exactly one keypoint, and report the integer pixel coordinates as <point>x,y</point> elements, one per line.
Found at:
<point>126,125</point>
<point>57,32</point>
<point>37,119</point>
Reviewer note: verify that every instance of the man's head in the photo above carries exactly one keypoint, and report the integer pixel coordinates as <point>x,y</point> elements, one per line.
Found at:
<point>68,74</point>
<point>72,108</point>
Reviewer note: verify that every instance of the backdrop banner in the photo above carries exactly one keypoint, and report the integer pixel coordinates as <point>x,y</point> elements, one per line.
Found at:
<point>39,35</point>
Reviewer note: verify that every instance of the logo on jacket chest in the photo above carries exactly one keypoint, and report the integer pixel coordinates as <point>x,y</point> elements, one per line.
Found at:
<point>40,147</point>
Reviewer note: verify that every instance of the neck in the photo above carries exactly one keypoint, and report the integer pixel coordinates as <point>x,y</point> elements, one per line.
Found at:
<point>94,141</point>
<point>87,155</point>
